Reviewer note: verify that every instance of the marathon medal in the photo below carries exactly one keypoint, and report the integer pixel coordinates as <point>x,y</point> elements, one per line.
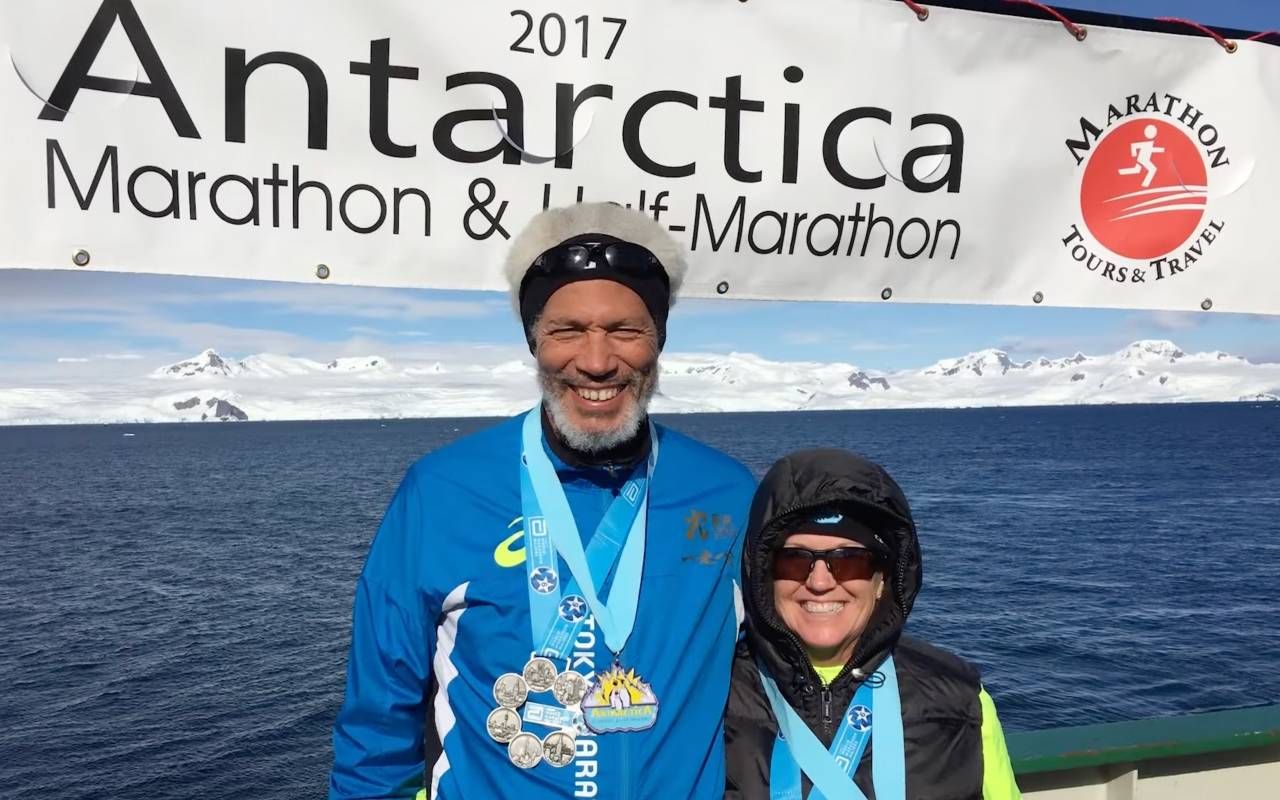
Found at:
<point>525,751</point>
<point>503,724</point>
<point>619,701</point>
<point>540,674</point>
<point>510,690</point>
<point>558,749</point>
<point>615,699</point>
<point>569,688</point>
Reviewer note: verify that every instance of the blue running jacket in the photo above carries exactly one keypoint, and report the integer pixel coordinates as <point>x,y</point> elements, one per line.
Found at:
<point>442,609</point>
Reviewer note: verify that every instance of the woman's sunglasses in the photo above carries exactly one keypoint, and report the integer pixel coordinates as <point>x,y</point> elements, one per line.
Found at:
<point>844,563</point>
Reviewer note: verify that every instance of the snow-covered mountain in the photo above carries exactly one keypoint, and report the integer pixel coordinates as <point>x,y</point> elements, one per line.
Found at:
<point>267,386</point>
<point>206,365</point>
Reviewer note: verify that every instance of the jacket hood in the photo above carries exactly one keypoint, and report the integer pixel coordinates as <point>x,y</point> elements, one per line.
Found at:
<point>795,487</point>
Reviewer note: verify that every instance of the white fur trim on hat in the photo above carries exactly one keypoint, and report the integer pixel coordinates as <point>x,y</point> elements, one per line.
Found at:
<point>553,226</point>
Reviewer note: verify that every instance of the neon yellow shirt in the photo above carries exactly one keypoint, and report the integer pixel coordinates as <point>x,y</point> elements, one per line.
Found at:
<point>997,772</point>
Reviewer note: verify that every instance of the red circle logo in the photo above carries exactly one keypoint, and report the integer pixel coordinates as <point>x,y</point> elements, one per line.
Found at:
<point>1144,189</point>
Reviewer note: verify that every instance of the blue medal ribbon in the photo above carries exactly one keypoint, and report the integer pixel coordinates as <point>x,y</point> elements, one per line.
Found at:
<point>557,612</point>
<point>831,771</point>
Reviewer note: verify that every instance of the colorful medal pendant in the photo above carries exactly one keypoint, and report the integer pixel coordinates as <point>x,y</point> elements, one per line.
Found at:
<point>619,701</point>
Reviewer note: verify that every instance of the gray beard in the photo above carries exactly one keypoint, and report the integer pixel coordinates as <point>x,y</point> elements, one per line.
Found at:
<point>592,442</point>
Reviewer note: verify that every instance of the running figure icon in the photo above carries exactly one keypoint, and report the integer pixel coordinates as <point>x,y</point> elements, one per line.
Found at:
<point>1142,151</point>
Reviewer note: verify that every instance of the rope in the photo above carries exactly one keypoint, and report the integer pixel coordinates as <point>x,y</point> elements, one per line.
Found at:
<point>1226,43</point>
<point>1075,30</point>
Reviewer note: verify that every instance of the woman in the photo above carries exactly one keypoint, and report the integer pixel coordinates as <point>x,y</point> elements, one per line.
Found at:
<point>831,567</point>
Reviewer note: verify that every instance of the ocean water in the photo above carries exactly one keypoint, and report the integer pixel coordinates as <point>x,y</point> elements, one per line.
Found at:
<point>174,603</point>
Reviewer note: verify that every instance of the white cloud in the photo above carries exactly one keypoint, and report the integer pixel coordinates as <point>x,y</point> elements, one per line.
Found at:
<point>877,347</point>
<point>192,337</point>
<point>104,297</point>
<point>1059,346</point>
<point>1167,321</point>
<point>69,360</point>
<point>705,307</point>
<point>806,337</point>
<point>356,301</point>
<point>122,357</point>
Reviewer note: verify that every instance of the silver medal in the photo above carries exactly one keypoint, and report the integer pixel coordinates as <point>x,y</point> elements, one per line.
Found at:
<point>503,724</point>
<point>525,751</point>
<point>540,674</point>
<point>557,749</point>
<point>510,690</point>
<point>569,688</point>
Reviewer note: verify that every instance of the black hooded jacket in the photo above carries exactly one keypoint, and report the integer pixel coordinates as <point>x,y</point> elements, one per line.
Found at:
<point>942,715</point>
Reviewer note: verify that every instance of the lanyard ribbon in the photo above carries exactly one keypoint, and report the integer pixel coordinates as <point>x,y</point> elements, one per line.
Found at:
<point>557,613</point>
<point>831,771</point>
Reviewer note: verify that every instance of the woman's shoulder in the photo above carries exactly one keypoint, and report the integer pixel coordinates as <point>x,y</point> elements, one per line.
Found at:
<point>935,679</point>
<point>920,656</point>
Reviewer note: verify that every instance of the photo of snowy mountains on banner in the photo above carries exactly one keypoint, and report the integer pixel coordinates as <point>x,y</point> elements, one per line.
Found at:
<point>401,145</point>
<point>215,387</point>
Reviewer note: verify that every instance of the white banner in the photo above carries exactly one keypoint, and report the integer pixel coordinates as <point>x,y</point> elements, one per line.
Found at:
<point>829,150</point>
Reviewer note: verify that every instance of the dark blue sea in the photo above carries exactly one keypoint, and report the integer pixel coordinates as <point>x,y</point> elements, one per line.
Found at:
<point>174,599</point>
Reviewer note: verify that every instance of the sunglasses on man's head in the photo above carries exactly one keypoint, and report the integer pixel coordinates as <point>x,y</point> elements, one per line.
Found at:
<point>626,257</point>
<point>844,563</point>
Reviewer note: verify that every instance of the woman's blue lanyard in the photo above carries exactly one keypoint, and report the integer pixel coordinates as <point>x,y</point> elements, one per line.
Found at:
<point>616,548</point>
<point>798,750</point>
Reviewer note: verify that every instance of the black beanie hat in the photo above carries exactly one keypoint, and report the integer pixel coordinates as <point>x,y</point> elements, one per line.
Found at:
<point>837,522</point>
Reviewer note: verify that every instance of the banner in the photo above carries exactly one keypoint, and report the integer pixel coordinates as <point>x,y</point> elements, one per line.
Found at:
<point>830,150</point>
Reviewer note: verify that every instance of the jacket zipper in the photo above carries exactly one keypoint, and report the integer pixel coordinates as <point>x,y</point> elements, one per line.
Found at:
<point>826,710</point>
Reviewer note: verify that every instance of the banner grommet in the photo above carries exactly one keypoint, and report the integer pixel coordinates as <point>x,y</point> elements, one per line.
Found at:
<point>922,13</point>
<point>80,257</point>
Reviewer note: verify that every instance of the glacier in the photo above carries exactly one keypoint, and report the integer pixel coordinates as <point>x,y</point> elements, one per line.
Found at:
<point>211,386</point>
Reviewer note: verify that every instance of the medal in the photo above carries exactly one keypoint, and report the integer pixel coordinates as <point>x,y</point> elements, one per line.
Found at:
<point>510,690</point>
<point>539,674</point>
<point>569,688</point>
<point>525,751</point>
<point>557,749</point>
<point>619,701</point>
<point>503,724</point>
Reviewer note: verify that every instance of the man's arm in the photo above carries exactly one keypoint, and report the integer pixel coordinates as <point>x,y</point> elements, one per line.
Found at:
<point>378,736</point>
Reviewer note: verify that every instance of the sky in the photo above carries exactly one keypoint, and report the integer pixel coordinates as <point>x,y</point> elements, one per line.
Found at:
<point>59,323</point>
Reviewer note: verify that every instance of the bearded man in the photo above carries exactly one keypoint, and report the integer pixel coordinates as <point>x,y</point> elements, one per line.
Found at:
<point>549,608</point>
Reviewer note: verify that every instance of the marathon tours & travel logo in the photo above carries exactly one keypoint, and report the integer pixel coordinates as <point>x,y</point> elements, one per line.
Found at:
<point>1145,178</point>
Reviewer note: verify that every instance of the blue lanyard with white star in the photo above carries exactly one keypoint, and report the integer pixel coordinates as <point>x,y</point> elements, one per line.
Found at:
<point>831,770</point>
<point>618,544</point>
